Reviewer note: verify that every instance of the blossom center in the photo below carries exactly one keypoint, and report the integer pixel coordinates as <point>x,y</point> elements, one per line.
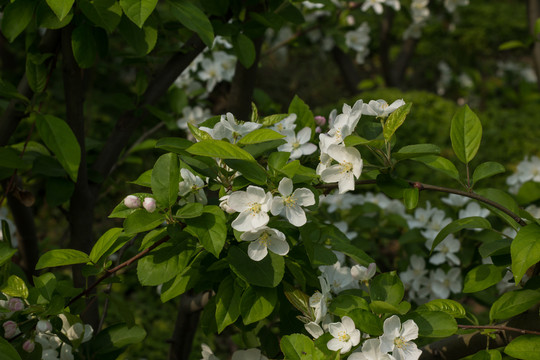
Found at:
<point>399,342</point>
<point>265,239</point>
<point>289,201</point>
<point>343,336</point>
<point>346,167</point>
<point>255,208</point>
<point>295,145</point>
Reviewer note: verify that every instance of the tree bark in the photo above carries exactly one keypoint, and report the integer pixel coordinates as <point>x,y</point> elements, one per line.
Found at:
<point>349,71</point>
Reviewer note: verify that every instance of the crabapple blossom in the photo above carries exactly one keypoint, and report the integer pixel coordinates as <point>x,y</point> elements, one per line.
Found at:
<point>298,144</point>
<point>446,250</point>
<point>207,353</point>
<point>345,334</point>
<point>132,202</point>
<point>319,301</point>
<point>380,108</point>
<point>397,339</point>
<point>338,277</point>
<point>441,283</point>
<point>291,202</point>
<point>370,351</point>
<point>287,124</point>
<point>228,128</point>
<point>15,304</point>
<point>473,209</point>
<point>149,204</point>
<point>415,272</point>
<point>253,206</point>
<point>43,326</point>
<point>375,4</point>
<point>191,187</point>
<point>192,115</point>
<point>249,354</point>
<point>451,5</point>
<point>362,273</point>
<point>455,200</point>
<point>224,204</point>
<point>348,168</point>
<point>342,126</point>
<point>264,239</point>
<point>28,346</point>
<point>10,329</point>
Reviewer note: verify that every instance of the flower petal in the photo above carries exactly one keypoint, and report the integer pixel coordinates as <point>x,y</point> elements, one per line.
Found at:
<point>280,247</point>
<point>304,197</point>
<point>257,250</point>
<point>285,187</point>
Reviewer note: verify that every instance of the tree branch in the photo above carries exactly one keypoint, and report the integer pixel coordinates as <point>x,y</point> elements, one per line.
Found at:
<point>499,328</point>
<point>349,71</point>
<point>422,186</point>
<point>399,66</point>
<point>533,13</point>
<point>131,120</point>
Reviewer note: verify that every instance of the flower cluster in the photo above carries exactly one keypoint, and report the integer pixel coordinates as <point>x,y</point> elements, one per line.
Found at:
<point>527,170</point>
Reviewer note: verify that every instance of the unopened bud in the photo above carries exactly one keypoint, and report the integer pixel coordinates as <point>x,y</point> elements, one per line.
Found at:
<point>224,204</point>
<point>10,329</point>
<point>29,346</point>
<point>318,130</point>
<point>15,304</point>
<point>132,202</point>
<point>149,204</point>
<point>43,326</point>
<point>320,120</point>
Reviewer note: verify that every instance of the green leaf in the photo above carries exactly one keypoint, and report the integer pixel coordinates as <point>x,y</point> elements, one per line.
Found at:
<point>104,243</point>
<point>525,250</point>
<point>194,19</point>
<point>411,151</point>
<point>62,257</point>
<point>486,170</point>
<point>172,144</point>
<point>537,27</point>
<point>482,277</point>
<point>211,230</point>
<point>251,170</point>
<point>138,10</point>
<point>395,120</point>
<point>46,284</point>
<point>392,185</point>
<point>353,140</point>
<point>343,304</point>
<point>387,287</point>
<point>367,322</point>
<point>266,273</point>
<point>244,49</point>
<point>36,72</point>
<point>9,91</point>
<point>528,192</point>
<point>227,303</point>
<point>257,303</point>
<point>142,40</point>
<point>60,7</point>
<point>141,220</point>
<point>434,323</point>
<point>473,222</point>
<point>166,261</point>
<point>381,307</point>
<point>46,18</point>
<point>59,138</point>
<point>116,337</point>
<point>466,134</point>
<point>16,17</point>
<point>8,351</point>
<point>486,355</point>
<point>220,149</point>
<point>304,116</point>
<point>165,179</point>
<point>273,119</point>
<point>15,287</point>
<point>440,164</point>
<point>526,347</point>
<point>190,210</point>
<point>259,136</point>
<point>84,46</point>
<point>299,347</point>
<point>410,198</point>
<point>103,13</point>
<point>58,190</point>
<point>513,303</point>
<point>451,307</point>
<point>512,44</point>
<point>183,281</point>
<point>6,251</point>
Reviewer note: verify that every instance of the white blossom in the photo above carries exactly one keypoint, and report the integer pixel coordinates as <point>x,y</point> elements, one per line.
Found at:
<point>415,273</point>
<point>264,239</point>
<point>249,354</point>
<point>228,128</point>
<point>192,115</point>
<point>291,202</point>
<point>207,353</point>
<point>380,108</point>
<point>362,273</point>
<point>348,168</point>
<point>375,4</point>
<point>451,5</point>
<point>338,277</point>
<point>446,250</point>
<point>441,283</point>
<point>455,200</point>
<point>397,338</point>
<point>253,206</point>
<point>320,299</point>
<point>345,334</point>
<point>298,144</point>
<point>287,124</point>
<point>371,350</point>
<point>191,187</point>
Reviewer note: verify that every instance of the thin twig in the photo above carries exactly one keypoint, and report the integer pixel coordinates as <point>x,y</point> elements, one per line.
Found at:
<point>499,328</point>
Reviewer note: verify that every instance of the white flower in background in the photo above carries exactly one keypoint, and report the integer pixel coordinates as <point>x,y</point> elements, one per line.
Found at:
<point>344,228</point>
<point>324,161</point>
<point>49,354</point>
<point>66,352</point>
<point>394,4</point>
<point>264,239</point>
<point>338,277</point>
<point>446,250</point>
<point>228,128</point>
<point>473,209</point>
<point>465,81</point>
<point>211,73</point>
<point>415,273</point>
<point>455,200</point>
<point>345,334</point>
<point>253,206</point>
<point>192,115</point>
<point>397,338</point>
<point>227,63</point>
<point>358,40</point>
<point>291,202</point>
<point>380,108</point>
<point>332,117</point>
<point>507,283</point>
<point>370,351</point>
<point>348,168</point>
<point>451,5</point>
<point>207,353</point>
<point>414,31</point>
<point>441,283</point>
<point>419,11</point>
<point>11,226</point>
<point>191,187</point>
<point>221,41</point>
<point>298,144</point>
<point>437,222</point>
<point>337,202</point>
<point>43,326</point>
<point>311,5</point>
<point>287,124</point>
<point>443,82</point>
<point>421,216</point>
<point>362,273</point>
<point>510,232</point>
<point>249,354</point>
<point>533,210</point>
<point>375,4</point>
<point>319,301</point>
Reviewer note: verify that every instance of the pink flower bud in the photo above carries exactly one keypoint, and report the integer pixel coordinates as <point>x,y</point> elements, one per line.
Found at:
<point>43,326</point>
<point>320,120</point>
<point>10,329</point>
<point>132,202</point>
<point>29,346</point>
<point>149,204</point>
<point>15,304</point>
<point>318,130</point>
